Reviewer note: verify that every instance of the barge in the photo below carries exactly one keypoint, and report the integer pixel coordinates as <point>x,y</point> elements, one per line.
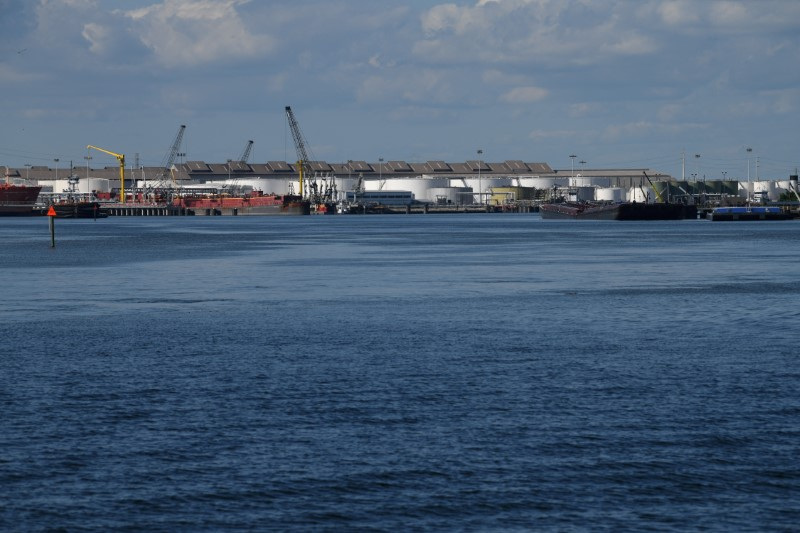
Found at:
<point>617,211</point>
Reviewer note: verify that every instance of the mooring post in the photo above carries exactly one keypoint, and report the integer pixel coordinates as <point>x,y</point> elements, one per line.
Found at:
<point>51,215</point>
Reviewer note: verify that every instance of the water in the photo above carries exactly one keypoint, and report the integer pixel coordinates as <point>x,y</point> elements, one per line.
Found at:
<point>464,372</point>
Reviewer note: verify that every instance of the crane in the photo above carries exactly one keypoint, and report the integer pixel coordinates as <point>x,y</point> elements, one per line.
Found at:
<point>300,146</point>
<point>121,159</point>
<point>246,153</point>
<point>658,194</point>
<point>169,158</point>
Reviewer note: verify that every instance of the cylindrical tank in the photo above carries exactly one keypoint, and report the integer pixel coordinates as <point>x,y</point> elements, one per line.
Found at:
<point>452,195</point>
<point>83,185</point>
<point>641,195</point>
<point>609,194</point>
<point>267,185</point>
<point>420,187</point>
<point>766,187</point>
<point>539,183</point>
<point>745,189</point>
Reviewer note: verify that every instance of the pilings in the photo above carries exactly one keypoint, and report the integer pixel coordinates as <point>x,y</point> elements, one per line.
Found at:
<point>146,211</point>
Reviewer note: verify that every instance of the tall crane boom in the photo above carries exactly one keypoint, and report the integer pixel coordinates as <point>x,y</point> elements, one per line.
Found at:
<point>246,153</point>
<point>121,159</point>
<point>299,144</point>
<point>169,159</point>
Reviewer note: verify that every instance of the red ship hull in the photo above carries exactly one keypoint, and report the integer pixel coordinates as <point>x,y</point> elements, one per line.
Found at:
<point>17,200</point>
<point>245,205</point>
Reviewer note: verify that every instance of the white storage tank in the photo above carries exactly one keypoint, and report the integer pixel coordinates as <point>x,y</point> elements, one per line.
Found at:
<point>766,187</point>
<point>609,194</point>
<point>641,195</point>
<point>420,187</point>
<point>745,189</point>
<point>277,186</point>
<point>84,185</point>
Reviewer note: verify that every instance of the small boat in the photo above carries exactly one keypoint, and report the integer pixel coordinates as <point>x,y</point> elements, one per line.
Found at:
<point>726,214</point>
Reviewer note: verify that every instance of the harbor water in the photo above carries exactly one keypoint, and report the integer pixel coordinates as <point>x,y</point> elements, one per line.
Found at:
<point>425,372</point>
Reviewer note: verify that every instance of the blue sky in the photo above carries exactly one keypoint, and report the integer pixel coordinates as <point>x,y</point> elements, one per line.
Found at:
<point>616,83</point>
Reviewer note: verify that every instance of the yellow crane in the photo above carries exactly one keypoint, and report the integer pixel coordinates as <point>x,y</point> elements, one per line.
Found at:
<point>121,159</point>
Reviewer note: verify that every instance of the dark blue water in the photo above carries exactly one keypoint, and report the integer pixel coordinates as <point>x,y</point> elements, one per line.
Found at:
<point>475,372</point>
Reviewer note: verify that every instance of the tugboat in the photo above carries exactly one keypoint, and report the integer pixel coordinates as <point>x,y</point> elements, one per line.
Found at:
<point>74,206</point>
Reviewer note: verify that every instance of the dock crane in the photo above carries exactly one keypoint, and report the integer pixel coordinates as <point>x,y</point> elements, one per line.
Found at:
<point>169,159</point>
<point>246,153</point>
<point>300,146</point>
<point>652,186</point>
<point>121,159</point>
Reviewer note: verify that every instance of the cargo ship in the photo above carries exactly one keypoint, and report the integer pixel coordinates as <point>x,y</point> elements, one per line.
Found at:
<point>748,213</point>
<point>617,211</point>
<point>17,200</point>
<point>253,204</point>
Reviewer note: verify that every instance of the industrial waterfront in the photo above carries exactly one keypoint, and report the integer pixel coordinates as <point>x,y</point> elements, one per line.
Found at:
<point>310,186</point>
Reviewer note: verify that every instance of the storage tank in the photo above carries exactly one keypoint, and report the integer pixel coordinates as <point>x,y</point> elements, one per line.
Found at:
<point>766,187</point>
<point>420,187</point>
<point>641,195</point>
<point>745,189</point>
<point>452,195</point>
<point>83,185</point>
<point>609,194</point>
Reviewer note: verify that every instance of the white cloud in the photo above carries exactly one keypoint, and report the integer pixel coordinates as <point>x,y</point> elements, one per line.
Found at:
<point>97,36</point>
<point>194,32</point>
<point>531,31</point>
<point>678,12</point>
<point>524,95</point>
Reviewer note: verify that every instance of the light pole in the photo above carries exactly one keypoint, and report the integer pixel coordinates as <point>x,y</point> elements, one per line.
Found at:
<point>697,160</point>
<point>27,171</point>
<point>56,161</point>
<point>572,157</point>
<point>87,158</point>
<point>749,151</point>
<point>480,184</point>
<point>582,163</point>
<point>380,172</point>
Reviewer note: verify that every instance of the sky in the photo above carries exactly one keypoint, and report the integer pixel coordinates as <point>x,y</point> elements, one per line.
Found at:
<point>617,84</point>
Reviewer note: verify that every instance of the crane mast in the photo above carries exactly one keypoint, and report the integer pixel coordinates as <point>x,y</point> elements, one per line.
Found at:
<point>169,159</point>
<point>300,146</point>
<point>121,159</point>
<point>246,153</point>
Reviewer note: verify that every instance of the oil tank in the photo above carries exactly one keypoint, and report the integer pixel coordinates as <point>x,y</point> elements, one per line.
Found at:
<point>641,195</point>
<point>609,194</point>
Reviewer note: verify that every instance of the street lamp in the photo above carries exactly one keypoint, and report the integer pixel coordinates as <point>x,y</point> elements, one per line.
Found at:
<point>749,151</point>
<point>380,172</point>
<point>87,158</point>
<point>56,161</point>
<point>480,184</point>
<point>697,160</point>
